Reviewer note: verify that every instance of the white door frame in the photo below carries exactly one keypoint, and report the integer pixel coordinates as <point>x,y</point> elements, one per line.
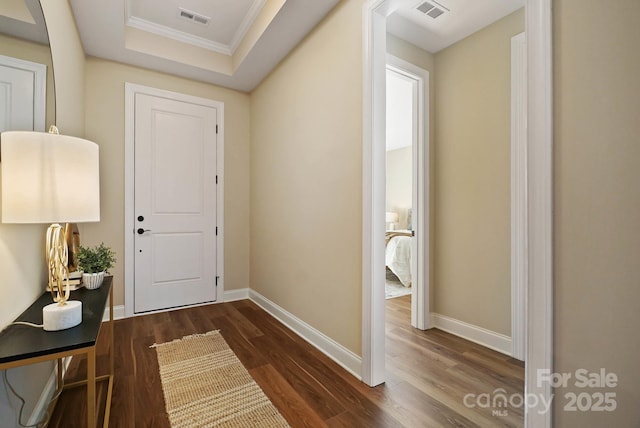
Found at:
<point>420,285</point>
<point>131,90</point>
<point>539,186</point>
<point>539,355</point>
<point>519,226</point>
<point>39,90</point>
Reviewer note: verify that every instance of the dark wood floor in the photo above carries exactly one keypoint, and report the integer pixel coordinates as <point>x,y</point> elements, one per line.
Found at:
<point>429,373</point>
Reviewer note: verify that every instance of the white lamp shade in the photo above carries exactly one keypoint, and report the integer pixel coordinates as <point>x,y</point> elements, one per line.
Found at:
<point>391,217</point>
<point>49,178</point>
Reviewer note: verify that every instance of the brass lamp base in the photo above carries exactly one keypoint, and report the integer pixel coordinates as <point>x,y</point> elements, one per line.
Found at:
<point>64,313</point>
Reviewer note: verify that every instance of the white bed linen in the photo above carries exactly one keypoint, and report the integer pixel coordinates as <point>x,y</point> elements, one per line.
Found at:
<point>398,258</point>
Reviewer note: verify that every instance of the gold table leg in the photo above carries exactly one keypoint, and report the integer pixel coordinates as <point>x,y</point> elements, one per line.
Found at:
<point>107,410</point>
<point>91,387</point>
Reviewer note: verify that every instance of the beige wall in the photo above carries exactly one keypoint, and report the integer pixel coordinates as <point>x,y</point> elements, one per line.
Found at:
<point>34,52</point>
<point>306,179</point>
<point>597,202</point>
<point>472,177</point>
<point>399,183</point>
<point>105,121</point>
<point>22,280</point>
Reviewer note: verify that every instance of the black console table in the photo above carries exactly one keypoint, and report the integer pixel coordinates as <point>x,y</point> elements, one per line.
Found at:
<point>21,345</point>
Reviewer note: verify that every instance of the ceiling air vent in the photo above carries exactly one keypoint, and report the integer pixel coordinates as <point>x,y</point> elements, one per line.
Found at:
<point>425,7</point>
<point>431,9</point>
<point>435,12</point>
<point>192,16</point>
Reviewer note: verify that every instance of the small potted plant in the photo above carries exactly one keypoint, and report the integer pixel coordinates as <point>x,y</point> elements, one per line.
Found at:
<point>95,262</point>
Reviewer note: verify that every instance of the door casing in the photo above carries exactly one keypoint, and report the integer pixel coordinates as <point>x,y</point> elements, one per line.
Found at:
<point>38,74</point>
<point>420,293</point>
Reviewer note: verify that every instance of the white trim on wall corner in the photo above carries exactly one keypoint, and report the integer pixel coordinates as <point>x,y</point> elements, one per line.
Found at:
<point>118,313</point>
<point>482,336</point>
<point>539,352</point>
<point>519,198</point>
<point>228,296</point>
<point>338,353</point>
<point>234,295</point>
<point>373,189</point>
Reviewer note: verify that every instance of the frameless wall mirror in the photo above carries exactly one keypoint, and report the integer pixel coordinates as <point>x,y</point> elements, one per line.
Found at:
<point>27,92</point>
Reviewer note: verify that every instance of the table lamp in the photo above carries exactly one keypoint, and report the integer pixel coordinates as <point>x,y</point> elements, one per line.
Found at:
<point>51,178</point>
<point>391,218</point>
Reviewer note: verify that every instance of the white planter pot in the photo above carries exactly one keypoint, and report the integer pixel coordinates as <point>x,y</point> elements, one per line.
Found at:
<point>92,281</point>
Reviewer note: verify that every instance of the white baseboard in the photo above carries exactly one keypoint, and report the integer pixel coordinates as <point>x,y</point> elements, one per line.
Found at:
<point>42,404</point>
<point>228,296</point>
<point>482,336</point>
<point>233,295</point>
<point>118,313</point>
<point>338,353</point>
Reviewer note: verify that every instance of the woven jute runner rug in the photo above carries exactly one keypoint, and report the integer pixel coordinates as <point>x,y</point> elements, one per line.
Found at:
<point>205,385</point>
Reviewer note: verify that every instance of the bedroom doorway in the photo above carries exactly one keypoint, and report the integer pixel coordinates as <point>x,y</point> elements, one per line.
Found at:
<point>539,295</point>
<point>407,187</point>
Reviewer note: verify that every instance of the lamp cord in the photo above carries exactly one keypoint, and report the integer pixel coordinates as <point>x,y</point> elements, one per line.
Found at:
<point>42,423</point>
<point>30,324</point>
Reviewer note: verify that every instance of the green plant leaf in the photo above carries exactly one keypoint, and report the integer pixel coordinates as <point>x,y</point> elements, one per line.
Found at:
<point>96,259</point>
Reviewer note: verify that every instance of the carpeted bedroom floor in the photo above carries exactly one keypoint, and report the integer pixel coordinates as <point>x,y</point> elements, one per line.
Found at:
<point>393,287</point>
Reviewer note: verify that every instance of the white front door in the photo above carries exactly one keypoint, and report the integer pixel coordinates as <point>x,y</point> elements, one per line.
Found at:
<point>175,203</point>
<point>22,95</point>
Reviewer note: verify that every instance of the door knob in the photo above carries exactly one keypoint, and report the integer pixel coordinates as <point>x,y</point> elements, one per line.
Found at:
<point>141,231</point>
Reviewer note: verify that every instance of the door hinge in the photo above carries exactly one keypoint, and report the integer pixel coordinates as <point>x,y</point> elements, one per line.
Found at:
<point>216,129</point>
<point>216,179</point>
<point>216,230</point>
<point>217,277</point>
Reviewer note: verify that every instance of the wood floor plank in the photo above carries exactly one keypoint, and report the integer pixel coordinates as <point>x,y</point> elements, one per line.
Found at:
<point>319,398</point>
<point>182,324</point>
<point>122,404</point>
<point>420,410</point>
<point>294,408</point>
<point>148,398</point>
<point>243,348</point>
<point>202,317</point>
<point>244,326</point>
<point>124,356</point>
<point>297,351</point>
